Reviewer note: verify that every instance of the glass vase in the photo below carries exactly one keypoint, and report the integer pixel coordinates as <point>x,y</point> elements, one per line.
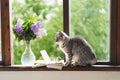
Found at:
<point>28,57</point>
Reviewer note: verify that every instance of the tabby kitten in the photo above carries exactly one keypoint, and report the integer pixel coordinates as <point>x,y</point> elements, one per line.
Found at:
<point>77,50</point>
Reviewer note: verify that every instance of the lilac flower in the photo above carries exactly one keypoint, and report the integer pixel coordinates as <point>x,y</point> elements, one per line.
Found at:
<point>41,32</point>
<point>23,33</point>
<point>38,30</point>
<point>35,27</point>
<point>18,29</point>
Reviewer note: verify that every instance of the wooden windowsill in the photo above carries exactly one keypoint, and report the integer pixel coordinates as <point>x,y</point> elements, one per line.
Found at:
<point>87,68</point>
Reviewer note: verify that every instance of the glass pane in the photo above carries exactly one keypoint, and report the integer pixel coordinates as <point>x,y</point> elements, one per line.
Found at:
<point>50,14</point>
<point>90,19</point>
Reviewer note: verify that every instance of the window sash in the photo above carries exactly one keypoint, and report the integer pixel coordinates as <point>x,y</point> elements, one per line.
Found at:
<point>118,32</point>
<point>114,5</point>
<point>7,54</point>
<point>5,33</point>
<point>66,16</point>
<point>113,30</point>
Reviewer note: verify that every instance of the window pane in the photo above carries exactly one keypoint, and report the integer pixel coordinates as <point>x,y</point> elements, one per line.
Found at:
<point>50,13</point>
<point>90,19</point>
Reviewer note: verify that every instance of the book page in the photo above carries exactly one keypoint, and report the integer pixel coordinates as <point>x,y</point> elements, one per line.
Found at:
<point>45,56</point>
<point>48,63</point>
<point>39,63</point>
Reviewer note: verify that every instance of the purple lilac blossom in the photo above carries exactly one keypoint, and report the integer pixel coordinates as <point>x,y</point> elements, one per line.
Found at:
<point>35,27</point>
<point>40,33</point>
<point>18,29</point>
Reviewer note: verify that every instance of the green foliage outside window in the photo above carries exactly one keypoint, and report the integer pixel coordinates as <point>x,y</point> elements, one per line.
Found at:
<point>51,17</point>
<point>89,18</point>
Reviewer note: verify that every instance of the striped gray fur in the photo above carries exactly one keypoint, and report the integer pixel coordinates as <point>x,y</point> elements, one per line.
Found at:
<point>77,50</point>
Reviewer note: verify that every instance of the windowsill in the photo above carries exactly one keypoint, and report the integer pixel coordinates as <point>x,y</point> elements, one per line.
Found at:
<point>87,68</point>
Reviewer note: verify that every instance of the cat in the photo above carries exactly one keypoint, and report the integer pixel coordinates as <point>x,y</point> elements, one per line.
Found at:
<point>77,50</point>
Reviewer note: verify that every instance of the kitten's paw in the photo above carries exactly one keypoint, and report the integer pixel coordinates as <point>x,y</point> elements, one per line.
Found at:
<point>73,64</point>
<point>66,64</point>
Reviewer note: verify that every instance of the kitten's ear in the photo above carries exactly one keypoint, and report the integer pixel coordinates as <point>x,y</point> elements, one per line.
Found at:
<point>60,33</point>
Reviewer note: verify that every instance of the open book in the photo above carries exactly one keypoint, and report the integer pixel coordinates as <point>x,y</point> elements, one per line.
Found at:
<point>47,62</point>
